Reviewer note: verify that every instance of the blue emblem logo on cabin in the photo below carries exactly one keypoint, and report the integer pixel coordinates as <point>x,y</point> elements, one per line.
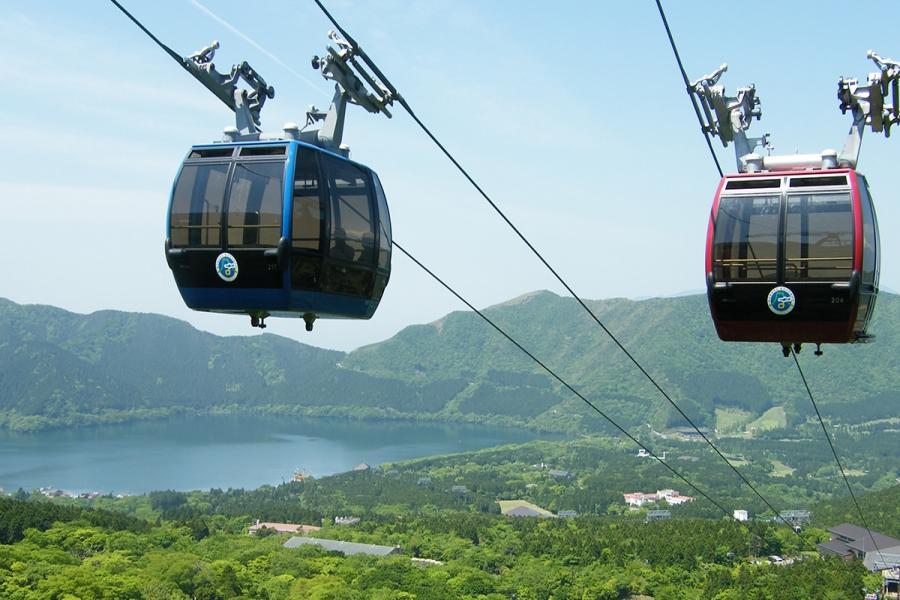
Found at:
<point>226,267</point>
<point>781,300</point>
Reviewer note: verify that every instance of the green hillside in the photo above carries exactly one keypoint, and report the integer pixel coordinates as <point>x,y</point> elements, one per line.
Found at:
<point>62,368</point>
<point>672,337</point>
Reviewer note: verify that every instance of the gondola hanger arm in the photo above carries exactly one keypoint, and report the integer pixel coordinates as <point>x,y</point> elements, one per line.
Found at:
<point>353,84</point>
<point>867,103</point>
<point>246,103</point>
<point>729,117</point>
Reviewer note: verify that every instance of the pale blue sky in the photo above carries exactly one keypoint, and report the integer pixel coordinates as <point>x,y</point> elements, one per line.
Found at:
<point>572,115</point>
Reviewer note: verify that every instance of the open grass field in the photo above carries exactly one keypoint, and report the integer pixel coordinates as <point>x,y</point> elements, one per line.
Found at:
<point>731,420</point>
<point>779,469</point>
<point>773,418</point>
<point>855,472</point>
<point>508,505</point>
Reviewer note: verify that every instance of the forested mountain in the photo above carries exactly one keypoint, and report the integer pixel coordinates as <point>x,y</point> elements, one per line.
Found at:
<point>63,368</point>
<point>672,337</point>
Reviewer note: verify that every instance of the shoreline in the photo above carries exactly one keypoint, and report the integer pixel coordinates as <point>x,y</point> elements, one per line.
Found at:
<point>13,423</point>
<point>228,449</point>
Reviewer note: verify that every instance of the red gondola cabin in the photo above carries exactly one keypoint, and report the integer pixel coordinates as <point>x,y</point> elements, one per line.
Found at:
<point>793,257</point>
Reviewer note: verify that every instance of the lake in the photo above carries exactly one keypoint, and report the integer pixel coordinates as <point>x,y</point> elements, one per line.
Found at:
<point>224,451</point>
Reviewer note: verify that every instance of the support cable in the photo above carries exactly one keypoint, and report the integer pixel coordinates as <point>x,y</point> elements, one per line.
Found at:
<point>165,48</point>
<point>558,378</point>
<point>593,406</point>
<point>836,459</point>
<point>688,88</point>
<point>396,95</point>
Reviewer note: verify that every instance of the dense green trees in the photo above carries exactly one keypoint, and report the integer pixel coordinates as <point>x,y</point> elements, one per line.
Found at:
<point>18,515</point>
<point>195,544</point>
<point>484,557</point>
<point>882,510</point>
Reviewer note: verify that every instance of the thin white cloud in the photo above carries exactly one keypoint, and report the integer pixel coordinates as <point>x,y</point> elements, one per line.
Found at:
<point>104,76</point>
<point>255,44</point>
<point>33,76</point>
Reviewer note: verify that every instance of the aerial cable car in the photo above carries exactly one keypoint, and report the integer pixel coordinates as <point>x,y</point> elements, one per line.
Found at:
<point>284,224</point>
<point>792,252</point>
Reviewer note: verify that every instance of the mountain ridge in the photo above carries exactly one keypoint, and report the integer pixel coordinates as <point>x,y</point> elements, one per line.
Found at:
<point>60,365</point>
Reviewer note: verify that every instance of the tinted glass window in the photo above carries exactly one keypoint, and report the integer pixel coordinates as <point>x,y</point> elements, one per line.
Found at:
<point>263,150</point>
<point>309,213</point>
<point>818,237</point>
<point>752,183</point>
<point>225,152</point>
<point>384,221</point>
<point>197,206</point>
<point>352,226</point>
<point>254,204</point>
<point>818,181</point>
<point>381,281</point>
<point>306,271</point>
<point>746,238</point>
<point>308,223</point>
<point>344,279</point>
<point>870,236</point>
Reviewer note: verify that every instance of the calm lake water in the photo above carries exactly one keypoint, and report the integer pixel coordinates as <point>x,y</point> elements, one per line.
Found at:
<point>223,451</point>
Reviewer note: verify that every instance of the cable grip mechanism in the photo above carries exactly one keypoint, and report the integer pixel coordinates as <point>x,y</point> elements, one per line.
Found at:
<point>246,103</point>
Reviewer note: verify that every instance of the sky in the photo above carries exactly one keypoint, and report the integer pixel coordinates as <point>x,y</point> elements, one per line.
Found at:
<point>573,118</point>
